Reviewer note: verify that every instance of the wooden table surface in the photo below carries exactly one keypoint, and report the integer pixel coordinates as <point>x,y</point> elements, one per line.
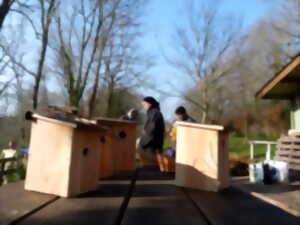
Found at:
<point>148,197</point>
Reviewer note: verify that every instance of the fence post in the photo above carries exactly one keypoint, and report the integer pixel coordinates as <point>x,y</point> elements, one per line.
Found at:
<point>251,150</point>
<point>268,153</point>
<point>2,167</point>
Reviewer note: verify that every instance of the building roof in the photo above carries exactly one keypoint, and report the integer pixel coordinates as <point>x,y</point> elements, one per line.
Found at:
<point>285,84</point>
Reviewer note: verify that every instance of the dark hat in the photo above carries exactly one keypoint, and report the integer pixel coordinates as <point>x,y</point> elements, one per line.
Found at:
<point>152,101</point>
<point>180,110</point>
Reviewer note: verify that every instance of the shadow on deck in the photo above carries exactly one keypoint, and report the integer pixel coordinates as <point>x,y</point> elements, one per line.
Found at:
<point>147,197</point>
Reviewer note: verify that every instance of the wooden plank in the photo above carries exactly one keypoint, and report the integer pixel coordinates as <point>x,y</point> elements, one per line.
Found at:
<point>151,173</point>
<point>62,160</point>
<point>289,160</point>
<point>201,158</point>
<point>288,153</point>
<point>156,203</point>
<point>202,126</point>
<point>118,147</point>
<point>263,142</point>
<point>285,206</point>
<point>235,207</point>
<point>49,158</point>
<point>289,146</point>
<point>16,202</point>
<point>284,196</point>
<point>97,207</point>
<point>278,77</point>
<point>114,122</point>
<point>289,139</point>
<point>56,121</point>
<point>294,166</point>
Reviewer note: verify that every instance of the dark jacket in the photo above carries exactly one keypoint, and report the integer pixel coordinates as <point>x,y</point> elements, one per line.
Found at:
<point>154,129</point>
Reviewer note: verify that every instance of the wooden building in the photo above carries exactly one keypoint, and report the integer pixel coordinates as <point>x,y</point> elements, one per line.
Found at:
<point>285,85</point>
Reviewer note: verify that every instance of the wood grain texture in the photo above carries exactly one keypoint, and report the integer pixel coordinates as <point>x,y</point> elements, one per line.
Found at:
<point>284,196</point>
<point>161,204</point>
<point>235,207</point>
<point>278,78</point>
<point>49,158</point>
<point>97,207</point>
<point>63,160</point>
<point>16,202</point>
<point>118,153</point>
<point>201,158</point>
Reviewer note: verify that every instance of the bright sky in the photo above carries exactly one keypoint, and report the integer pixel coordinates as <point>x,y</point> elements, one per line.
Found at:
<point>160,20</point>
<point>162,16</point>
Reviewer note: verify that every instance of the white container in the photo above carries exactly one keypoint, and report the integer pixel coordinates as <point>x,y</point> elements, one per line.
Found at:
<point>282,170</point>
<point>256,173</point>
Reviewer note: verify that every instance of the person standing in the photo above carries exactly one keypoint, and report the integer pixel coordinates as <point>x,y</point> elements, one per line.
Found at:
<point>151,142</point>
<point>182,115</point>
<point>132,115</point>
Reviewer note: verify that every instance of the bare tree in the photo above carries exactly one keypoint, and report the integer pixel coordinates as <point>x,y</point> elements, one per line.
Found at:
<point>84,32</point>
<point>4,84</point>
<point>120,57</point>
<point>5,7</point>
<point>47,11</point>
<point>95,47</point>
<point>202,49</point>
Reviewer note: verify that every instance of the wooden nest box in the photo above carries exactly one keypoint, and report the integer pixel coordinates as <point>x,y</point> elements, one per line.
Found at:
<point>202,160</point>
<point>68,154</point>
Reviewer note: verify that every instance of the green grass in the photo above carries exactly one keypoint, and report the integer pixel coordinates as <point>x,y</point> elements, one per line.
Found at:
<point>239,148</point>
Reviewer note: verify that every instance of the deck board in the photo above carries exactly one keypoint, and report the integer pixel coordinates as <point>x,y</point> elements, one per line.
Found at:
<point>16,202</point>
<point>161,204</point>
<point>284,196</point>
<point>235,207</point>
<point>155,200</point>
<point>98,207</point>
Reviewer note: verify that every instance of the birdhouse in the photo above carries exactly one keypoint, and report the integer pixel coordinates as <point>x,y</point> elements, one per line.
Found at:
<point>118,147</point>
<point>64,154</point>
<point>201,157</point>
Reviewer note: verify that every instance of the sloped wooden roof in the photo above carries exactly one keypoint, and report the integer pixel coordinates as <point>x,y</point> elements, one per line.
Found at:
<point>57,114</point>
<point>285,84</point>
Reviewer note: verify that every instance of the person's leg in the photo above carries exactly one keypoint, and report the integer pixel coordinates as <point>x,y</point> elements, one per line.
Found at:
<point>160,160</point>
<point>147,158</point>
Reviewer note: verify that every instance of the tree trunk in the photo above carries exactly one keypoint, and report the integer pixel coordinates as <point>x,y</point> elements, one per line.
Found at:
<point>109,100</point>
<point>204,117</point>
<point>4,10</point>
<point>92,101</point>
<point>39,74</point>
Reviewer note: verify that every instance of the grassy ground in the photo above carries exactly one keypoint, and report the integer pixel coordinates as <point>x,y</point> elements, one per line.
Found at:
<point>239,148</point>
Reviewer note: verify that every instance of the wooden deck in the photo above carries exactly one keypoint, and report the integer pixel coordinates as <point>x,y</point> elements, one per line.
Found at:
<point>284,196</point>
<point>146,197</point>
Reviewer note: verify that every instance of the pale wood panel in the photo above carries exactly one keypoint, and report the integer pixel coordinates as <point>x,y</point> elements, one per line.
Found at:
<point>199,163</point>
<point>84,166</point>
<point>49,158</point>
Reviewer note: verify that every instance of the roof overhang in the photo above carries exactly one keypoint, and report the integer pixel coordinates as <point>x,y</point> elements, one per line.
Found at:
<point>284,85</point>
